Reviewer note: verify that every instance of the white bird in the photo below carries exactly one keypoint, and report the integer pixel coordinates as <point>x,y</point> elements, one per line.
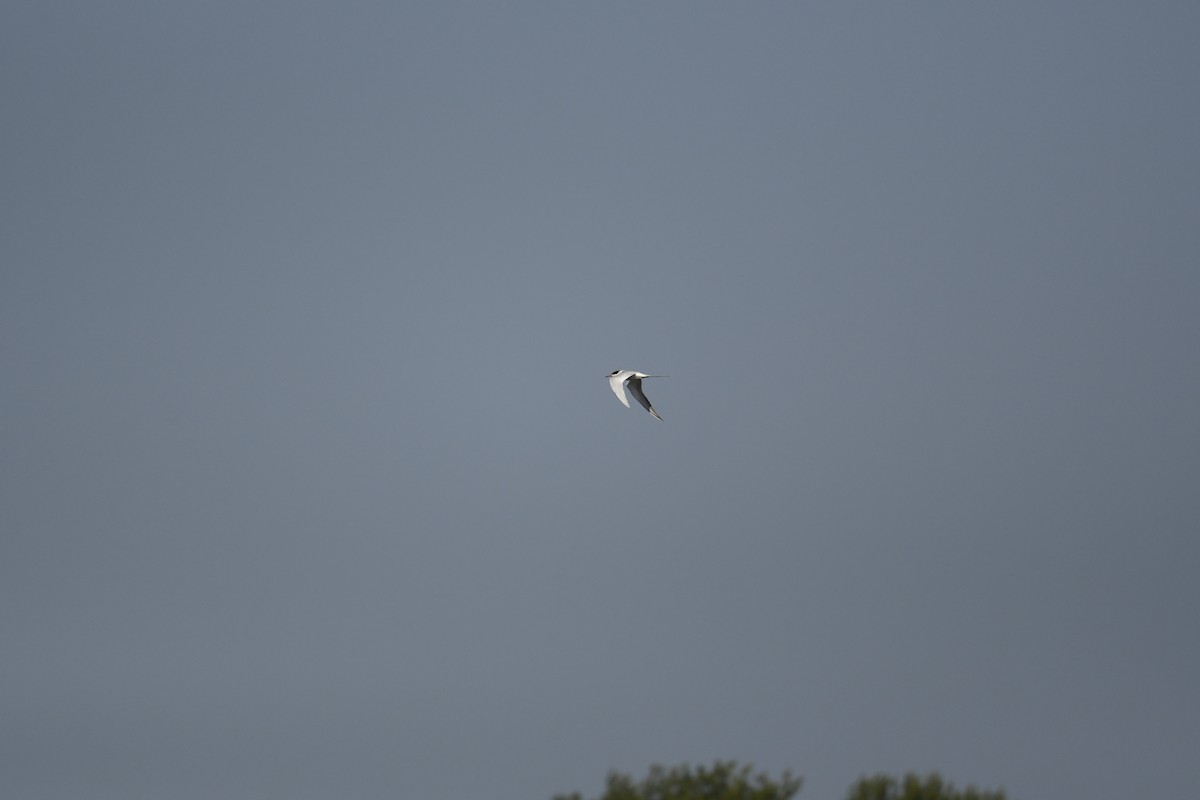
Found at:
<point>619,377</point>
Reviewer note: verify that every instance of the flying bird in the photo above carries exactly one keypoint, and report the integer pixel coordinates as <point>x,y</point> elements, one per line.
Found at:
<point>619,377</point>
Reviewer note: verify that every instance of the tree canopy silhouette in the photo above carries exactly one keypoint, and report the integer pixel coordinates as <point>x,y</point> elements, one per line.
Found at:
<point>913,787</point>
<point>727,780</point>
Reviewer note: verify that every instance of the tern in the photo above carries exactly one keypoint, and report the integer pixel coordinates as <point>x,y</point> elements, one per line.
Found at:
<point>619,377</point>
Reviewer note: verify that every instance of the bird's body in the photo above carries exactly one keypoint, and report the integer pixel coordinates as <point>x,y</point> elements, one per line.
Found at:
<point>619,377</point>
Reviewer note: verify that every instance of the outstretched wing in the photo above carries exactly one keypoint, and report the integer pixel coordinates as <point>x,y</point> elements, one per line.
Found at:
<point>617,382</point>
<point>635,387</point>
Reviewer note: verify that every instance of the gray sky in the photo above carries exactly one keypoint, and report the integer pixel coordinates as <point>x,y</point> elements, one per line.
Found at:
<point>312,485</point>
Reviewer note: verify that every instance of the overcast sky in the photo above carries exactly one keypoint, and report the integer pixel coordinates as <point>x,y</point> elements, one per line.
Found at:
<point>312,486</point>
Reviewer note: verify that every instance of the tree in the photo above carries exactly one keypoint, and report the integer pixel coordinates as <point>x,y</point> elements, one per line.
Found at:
<point>726,780</point>
<point>912,787</point>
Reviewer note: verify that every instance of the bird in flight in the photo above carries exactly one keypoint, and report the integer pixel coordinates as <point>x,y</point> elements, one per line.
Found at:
<point>619,377</point>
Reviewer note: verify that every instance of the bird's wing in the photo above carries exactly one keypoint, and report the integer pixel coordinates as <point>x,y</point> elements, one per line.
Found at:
<point>635,387</point>
<point>617,382</point>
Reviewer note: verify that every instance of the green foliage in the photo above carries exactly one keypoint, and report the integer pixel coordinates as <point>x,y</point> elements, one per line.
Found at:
<point>913,787</point>
<point>725,780</point>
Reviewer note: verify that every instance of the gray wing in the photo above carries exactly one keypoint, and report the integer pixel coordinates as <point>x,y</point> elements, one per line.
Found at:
<point>635,388</point>
<point>617,382</point>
